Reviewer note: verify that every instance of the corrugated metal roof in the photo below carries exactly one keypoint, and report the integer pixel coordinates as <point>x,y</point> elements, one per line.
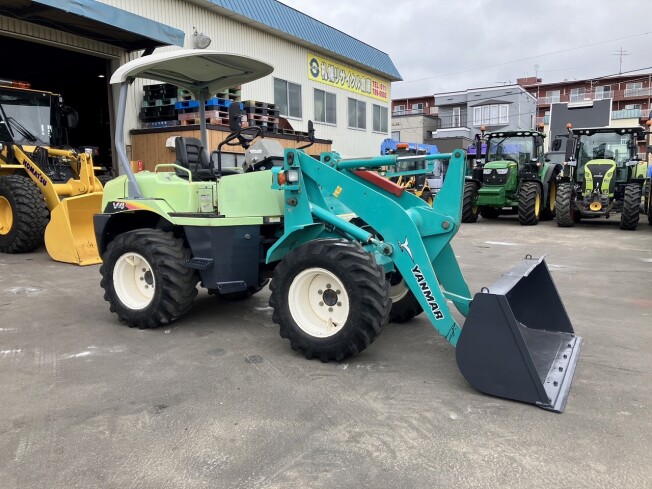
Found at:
<point>289,21</point>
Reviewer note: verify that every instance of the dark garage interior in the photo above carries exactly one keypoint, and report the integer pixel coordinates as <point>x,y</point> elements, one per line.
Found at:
<point>77,77</point>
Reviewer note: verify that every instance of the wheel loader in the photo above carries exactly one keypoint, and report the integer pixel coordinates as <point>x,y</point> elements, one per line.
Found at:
<point>514,176</point>
<point>48,190</point>
<point>330,233</point>
<point>412,174</point>
<point>603,175</point>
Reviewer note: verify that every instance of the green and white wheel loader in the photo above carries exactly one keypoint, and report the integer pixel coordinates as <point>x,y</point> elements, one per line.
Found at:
<point>332,235</point>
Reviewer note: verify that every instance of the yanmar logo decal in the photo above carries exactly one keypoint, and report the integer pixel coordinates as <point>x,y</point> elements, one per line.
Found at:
<point>37,174</point>
<point>427,293</point>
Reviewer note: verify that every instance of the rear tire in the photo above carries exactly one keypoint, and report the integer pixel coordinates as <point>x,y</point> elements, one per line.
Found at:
<point>427,197</point>
<point>548,212</point>
<point>565,214</point>
<point>469,207</point>
<point>318,320</point>
<point>144,279</point>
<point>405,305</point>
<point>529,204</point>
<point>631,208</point>
<point>23,215</point>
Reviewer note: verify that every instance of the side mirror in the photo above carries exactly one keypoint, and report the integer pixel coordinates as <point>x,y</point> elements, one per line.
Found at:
<point>633,162</point>
<point>235,117</point>
<point>556,144</point>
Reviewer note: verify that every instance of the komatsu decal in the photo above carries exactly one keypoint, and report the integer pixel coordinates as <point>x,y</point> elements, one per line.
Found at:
<point>427,293</point>
<point>37,174</point>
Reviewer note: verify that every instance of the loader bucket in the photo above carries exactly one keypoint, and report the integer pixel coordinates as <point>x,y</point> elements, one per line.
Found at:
<point>70,236</point>
<point>518,342</point>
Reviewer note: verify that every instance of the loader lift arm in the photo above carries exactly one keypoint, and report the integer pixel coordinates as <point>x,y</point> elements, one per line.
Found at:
<point>508,347</point>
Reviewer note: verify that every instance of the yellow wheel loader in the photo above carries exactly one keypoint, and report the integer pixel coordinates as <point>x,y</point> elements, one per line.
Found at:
<point>48,191</point>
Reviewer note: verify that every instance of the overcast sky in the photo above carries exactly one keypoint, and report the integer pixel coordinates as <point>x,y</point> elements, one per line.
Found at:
<point>447,45</point>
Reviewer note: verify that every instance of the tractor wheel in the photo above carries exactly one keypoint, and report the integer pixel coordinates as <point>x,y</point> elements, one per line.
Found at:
<point>565,213</point>
<point>548,212</point>
<point>330,299</point>
<point>404,305</point>
<point>23,215</point>
<point>144,279</point>
<point>529,204</point>
<point>469,207</point>
<point>631,208</point>
<point>427,197</point>
<point>488,212</point>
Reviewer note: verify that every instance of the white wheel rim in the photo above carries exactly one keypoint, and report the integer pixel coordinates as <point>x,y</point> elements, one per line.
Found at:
<point>398,291</point>
<point>315,303</point>
<point>133,281</point>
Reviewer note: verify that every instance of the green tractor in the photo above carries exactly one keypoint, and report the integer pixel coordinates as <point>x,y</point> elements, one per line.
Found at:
<point>514,174</point>
<point>346,249</point>
<point>603,175</point>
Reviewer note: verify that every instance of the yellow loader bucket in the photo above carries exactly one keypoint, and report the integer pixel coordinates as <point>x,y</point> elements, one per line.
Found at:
<point>70,236</point>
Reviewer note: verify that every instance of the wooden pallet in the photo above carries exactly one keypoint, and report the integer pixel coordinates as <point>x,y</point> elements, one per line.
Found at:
<point>217,114</point>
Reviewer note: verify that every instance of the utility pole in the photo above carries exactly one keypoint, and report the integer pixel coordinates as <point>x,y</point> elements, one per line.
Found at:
<point>620,53</point>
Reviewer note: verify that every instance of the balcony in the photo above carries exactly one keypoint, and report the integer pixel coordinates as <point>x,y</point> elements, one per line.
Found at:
<point>627,114</point>
<point>616,95</point>
<point>452,121</point>
<point>543,120</point>
<point>409,112</point>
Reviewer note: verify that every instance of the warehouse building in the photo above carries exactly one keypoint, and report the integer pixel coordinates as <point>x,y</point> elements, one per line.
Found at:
<point>71,47</point>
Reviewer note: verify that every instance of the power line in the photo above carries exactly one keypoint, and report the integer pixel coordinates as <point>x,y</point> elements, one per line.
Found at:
<point>527,58</point>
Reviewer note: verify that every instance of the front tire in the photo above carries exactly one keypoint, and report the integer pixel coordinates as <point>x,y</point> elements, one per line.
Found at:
<point>529,204</point>
<point>565,214</point>
<point>631,208</point>
<point>330,299</point>
<point>469,206</point>
<point>144,279</point>
<point>23,215</point>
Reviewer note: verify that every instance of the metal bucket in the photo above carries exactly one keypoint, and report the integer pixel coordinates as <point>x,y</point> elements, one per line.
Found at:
<point>518,341</point>
<point>70,235</point>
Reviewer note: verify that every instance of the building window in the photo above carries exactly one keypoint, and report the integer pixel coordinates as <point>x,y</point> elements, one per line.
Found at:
<point>399,108</point>
<point>491,115</point>
<point>457,118</point>
<point>553,96</point>
<point>379,119</point>
<point>633,107</point>
<point>325,107</point>
<point>396,135</point>
<point>287,96</point>
<point>577,94</point>
<point>357,114</point>
<point>603,92</point>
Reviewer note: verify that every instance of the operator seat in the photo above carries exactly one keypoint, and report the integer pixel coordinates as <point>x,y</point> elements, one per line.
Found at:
<point>192,155</point>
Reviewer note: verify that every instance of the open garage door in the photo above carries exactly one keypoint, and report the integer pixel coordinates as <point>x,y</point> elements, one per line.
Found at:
<point>81,79</point>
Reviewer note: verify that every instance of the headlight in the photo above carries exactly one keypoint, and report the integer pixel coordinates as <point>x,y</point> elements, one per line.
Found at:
<point>502,171</point>
<point>487,171</point>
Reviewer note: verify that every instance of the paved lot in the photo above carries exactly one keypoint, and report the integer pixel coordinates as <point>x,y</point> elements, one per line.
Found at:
<point>219,400</point>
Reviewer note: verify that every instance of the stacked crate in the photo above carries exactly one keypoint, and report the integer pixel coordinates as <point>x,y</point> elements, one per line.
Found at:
<point>262,114</point>
<point>217,108</point>
<point>158,106</point>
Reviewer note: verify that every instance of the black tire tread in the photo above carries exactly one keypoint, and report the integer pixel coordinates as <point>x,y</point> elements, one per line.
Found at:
<point>630,213</point>
<point>564,214</point>
<point>30,214</point>
<point>527,196</point>
<point>369,288</point>
<point>470,191</point>
<point>166,255</point>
